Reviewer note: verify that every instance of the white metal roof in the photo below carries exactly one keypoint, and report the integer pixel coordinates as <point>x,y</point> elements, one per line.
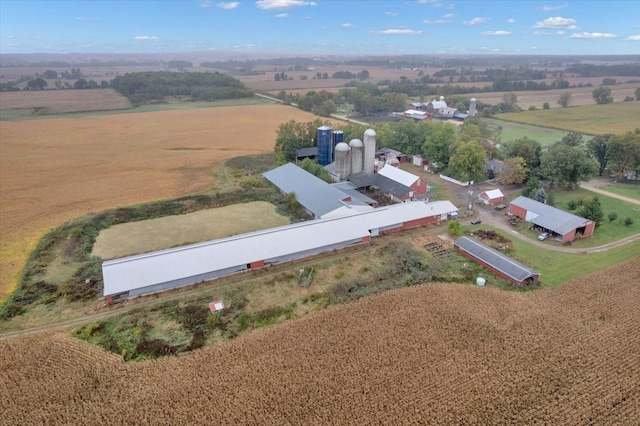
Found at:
<point>398,175</point>
<point>134,272</point>
<point>492,193</point>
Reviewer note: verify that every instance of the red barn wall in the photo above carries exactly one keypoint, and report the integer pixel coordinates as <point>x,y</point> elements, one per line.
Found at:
<point>518,211</point>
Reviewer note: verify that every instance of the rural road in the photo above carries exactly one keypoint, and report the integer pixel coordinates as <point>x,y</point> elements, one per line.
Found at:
<point>595,185</point>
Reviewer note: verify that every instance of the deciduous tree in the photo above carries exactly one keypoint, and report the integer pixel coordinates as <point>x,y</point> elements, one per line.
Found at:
<point>602,95</point>
<point>565,99</point>
<point>566,165</point>
<point>598,147</point>
<point>468,161</point>
<point>514,172</point>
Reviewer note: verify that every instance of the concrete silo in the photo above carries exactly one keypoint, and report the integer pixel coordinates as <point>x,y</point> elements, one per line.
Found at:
<point>369,150</point>
<point>324,145</point>
<point>472,107</point>
<point>357,155</point>
<point>343,162</point>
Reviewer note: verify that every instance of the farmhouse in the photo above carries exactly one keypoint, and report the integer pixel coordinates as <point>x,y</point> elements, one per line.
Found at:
<point>176,267</point>
<point>491,197</point>
<point>496,262</point>
<point>562,225</point>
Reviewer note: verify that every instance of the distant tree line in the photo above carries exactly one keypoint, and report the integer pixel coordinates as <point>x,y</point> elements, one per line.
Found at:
<point>590,70</point>
<point>142,87</point>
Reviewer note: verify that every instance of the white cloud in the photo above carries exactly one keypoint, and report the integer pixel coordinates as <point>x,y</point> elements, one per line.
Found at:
<point>205,3</point>
<point>633,38</point>
<point>282,15</point>
<point>396,31</point>
<point>547,8</point>
<point>84,18</point>
<point>428,1</point>
<point>573,27</point>
<point>496,33</point>
<point>593,35</point>
<point>511,21</point>
<point>347,25</point>
<point>283,4</point>
<point>228,5</point>
<point>476,21</point>
<point>448,16</point>
<point>146,38</point>
<point>437,21</point>
<point>555,22</point>
<point>391,13</point>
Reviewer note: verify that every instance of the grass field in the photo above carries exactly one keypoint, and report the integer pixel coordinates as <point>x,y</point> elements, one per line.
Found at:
<point>512,131</point>
<point>607,231</point>
<point>171,231</point>
<point>613,118</point>
<point>53,170</point>
<point>170,105</point>
<point>432,354</point>
<point>628,190</point>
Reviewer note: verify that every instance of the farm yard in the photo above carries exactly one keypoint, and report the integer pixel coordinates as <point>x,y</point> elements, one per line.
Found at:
<point>53,170</point>
<point>437,354</point>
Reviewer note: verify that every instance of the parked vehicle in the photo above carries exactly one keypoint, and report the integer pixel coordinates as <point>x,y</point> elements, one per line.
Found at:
<point>476,222</point>
<point>543,236</point>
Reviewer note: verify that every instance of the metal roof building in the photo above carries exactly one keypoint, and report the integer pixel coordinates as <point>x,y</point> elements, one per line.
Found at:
<point>315,195</point>
<point>171,268</point>
<point>495,261</point>
<point>561,223</point>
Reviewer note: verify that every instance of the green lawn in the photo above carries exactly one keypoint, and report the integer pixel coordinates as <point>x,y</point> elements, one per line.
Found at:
<point>607,231</point>
<point>556,268</point>
<point>612,118</point>
<point>627,190</point>
<point>512,131</point>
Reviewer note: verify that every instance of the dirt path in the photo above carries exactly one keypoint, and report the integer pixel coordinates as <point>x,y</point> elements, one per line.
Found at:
<point>596,185</point>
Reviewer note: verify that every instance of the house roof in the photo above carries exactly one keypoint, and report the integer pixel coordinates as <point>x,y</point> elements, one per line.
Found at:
<point>356,197</point>
<point>437,105</point>
<point>381,182</point>
<point>398,175</point>
<point>549,217</point>
<point>501,262</point>
<point>311,192</point>
<point>447,112</point>
<point>492,193</point>
<point>135,272</point>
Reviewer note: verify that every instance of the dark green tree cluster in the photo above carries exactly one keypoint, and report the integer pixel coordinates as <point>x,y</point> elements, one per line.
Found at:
<point>292,135</point>
<point>142,87</point>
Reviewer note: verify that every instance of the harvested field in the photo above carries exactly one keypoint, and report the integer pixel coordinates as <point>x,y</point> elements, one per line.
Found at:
<point>53,170</point>
<point>65,101</point>
<point>432,354</point>
<point>166,232</point>
<point>579,97</point>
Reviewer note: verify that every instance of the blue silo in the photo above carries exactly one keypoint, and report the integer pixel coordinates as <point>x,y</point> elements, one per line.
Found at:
<point>337,136</point>
<point>324,145</point>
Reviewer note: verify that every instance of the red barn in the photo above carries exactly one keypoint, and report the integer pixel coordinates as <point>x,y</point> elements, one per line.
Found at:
<point>491,197</point>
<point>563,226</point>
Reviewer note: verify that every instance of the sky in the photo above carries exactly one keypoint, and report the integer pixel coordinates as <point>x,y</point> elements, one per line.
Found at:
<point>321,27</point>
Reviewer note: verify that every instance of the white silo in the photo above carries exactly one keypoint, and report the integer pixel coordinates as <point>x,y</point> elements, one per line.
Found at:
<point>357,155</point>
<point>472,107</point>
<point>343,163</point>
<point>369,150</point>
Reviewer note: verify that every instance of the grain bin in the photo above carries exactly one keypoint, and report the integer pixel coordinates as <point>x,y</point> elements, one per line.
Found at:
<point>337,136</point>
<point>343,164</point>
<point>324,145</point>
<point>369,150</point>
<point>357,155</point>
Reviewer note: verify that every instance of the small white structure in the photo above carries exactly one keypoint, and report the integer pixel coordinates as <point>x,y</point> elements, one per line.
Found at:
<point>491,197</point>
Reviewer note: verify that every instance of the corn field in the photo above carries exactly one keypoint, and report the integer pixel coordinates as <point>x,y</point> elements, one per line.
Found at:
<point>430,354</point>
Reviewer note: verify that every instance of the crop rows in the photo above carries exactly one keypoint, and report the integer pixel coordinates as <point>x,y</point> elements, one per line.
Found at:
<point>435,354</point>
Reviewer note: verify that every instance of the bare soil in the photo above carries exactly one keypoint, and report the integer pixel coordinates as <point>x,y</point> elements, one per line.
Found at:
<point>53,170</point>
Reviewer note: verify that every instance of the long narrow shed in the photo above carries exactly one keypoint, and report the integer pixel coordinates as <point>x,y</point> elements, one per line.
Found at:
<point>495,261</point>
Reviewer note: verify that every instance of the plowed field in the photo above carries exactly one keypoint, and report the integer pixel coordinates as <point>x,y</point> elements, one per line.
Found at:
<point>433,354</point>
<point>52,170</point>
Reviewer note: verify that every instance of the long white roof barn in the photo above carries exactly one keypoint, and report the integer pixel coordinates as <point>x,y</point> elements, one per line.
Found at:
<point>161,270</point>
